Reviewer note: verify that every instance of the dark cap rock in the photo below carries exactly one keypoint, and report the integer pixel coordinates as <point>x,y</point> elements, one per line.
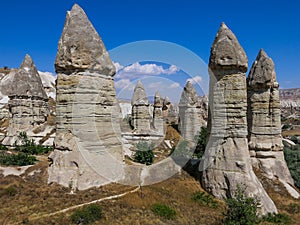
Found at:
<point>139,95</point>
<point>262,72</point>
<point>80,47</point>
<point>25,82</point>
<point>226,52</point>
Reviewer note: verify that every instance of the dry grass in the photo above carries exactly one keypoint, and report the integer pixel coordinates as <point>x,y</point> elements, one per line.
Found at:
<point>290,133</point>
<point>35,198</point>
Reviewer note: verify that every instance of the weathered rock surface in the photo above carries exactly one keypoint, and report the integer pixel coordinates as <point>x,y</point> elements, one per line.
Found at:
<point>227,161</point>
<point>81,50</point>
<point>264,121</point>
<point>88,151</point>
<point>158,120</point>
<point>170,111</point>
<point>191,113</point>
<point>140,114</point>
<point>28,102</point>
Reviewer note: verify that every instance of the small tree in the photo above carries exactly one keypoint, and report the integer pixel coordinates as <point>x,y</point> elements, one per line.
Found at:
<point>144,153</point>
<point>87,215</point>
<point>241,210</point>
<point>200,140</point>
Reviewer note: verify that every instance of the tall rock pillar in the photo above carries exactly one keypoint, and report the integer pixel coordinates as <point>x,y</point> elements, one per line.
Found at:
<point>264,122</point>
<point>158,120</point>
<point>140,110</point>
<point>88,151</point>
<point>28,101</point>
<point>227,161</point>
<point>190,115</point>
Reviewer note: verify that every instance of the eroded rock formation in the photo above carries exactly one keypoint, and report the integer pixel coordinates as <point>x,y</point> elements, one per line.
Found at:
<point>158,120</point>
<point>264,122</point>
<point>227,161</point>
<point>28,102</point>
<point>88,151</point>
<point>140,114</point>
<point>190,113</point>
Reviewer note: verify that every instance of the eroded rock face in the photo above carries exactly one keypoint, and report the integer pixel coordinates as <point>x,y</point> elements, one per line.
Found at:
<point>140,114</point>
<point>81,50</point>
<point>227,161</point>
<point>88,151</point>
<point>191,110</point>
<point>264,122</point>
<point>28,102</point>
<point>158,120</point>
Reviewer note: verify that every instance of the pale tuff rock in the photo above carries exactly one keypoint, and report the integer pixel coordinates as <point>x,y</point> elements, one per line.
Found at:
<point>140,115</point>
<point>227,162</point>
<point>88,147</point>
<point>28,102</point>
<point>169,111</point>
<point>190,113</point>
<point>264,121</point>
<point>80,47</point>
<point>158,120</point>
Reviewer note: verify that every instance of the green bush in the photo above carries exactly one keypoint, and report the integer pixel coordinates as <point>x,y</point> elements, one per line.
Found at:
<point>203,198</point>
<point>87,215</point>
<point>21,159</point>
<point>3,147</point>
<point>241,210</point>
<point>144,153</point>
<point>277,219</point>
<point>164,211</point>
<point>29,147</point>
<point>200,140</point>
<point>292,158</point>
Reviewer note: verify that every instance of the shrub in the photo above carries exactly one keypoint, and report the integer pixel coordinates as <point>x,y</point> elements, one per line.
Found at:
<point>203,198</point>
<point>277,219</point>
<point>200,140</point>
<point>144,153</point>
<point>241,210</point>
<point>164,211</point>
<point>3,147</point>
<point>87,215</point>
<point>29,147</point>
<point>21,159</point>
<point>292,158</point>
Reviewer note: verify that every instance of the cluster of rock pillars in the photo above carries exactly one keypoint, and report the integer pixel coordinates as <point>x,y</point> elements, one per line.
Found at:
<point>244,127</point>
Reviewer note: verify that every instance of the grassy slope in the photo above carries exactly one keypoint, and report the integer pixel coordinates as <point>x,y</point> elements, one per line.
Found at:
<point>34,197</point>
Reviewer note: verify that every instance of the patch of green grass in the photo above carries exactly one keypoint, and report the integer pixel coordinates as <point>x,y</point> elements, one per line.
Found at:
<point>87,215</point>
<point>164,211</point>
<point>277,219</point>
<point>203,198</point>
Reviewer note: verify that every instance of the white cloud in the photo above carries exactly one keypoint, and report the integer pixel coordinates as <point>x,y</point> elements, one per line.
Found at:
<point>118,66</point>
<point>136,70</point>
<point>195,80</point>
<point>120,84</point>
<point>175,85</point>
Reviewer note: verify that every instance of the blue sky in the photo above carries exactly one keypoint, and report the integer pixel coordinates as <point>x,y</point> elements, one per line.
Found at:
<point>34,27</point>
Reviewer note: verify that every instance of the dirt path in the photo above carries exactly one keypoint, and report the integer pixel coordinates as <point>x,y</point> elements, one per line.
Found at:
<point>83,204</point>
